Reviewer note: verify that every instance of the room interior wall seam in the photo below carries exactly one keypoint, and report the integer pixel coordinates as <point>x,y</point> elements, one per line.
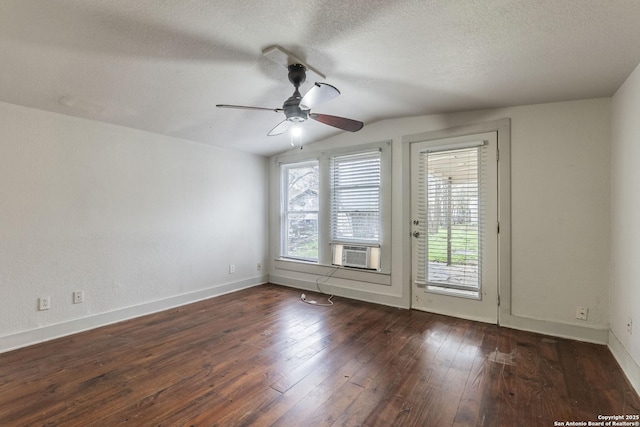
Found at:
<point>624,288</point>
<point>71,327</point>
<point>629,366</point>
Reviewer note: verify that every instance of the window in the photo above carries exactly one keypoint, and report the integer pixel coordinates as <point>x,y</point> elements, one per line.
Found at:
<point>452,200</point>
<point>300,190</point>
<point>355,198</point>
<point>340,195</point>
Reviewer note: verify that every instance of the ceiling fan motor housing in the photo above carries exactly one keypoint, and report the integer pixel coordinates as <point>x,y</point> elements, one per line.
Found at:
<point>297,74</point>
<point>291,107</point>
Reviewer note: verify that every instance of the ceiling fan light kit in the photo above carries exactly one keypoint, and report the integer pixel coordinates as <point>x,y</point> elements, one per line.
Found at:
<point>296,108</point>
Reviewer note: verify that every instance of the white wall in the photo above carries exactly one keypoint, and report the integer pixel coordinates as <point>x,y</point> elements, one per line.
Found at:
<point>625,226</point>
<point>138,221</point>
<point>141,222</point>
<point>560,213</point>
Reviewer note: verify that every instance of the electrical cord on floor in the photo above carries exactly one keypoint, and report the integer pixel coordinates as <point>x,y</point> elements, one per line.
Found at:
<point>329,302</point>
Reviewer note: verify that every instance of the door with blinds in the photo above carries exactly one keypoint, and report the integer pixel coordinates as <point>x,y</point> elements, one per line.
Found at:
<point>454,226</point>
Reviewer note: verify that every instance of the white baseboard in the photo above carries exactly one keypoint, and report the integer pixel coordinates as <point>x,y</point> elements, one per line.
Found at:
<point>452,314</point>
<point>596,335</point>
<point>373,297</point>
<point>629,366</point>
<point>50,332</point>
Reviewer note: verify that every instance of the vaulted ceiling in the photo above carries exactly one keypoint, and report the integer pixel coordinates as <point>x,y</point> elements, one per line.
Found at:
<point>162,65</point>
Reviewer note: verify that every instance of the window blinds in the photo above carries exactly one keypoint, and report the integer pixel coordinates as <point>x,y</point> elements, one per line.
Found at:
<point>355,198</point>
<point>450,213</point>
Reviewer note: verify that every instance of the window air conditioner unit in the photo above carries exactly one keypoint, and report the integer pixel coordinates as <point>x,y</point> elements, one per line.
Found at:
<point>358,256</point>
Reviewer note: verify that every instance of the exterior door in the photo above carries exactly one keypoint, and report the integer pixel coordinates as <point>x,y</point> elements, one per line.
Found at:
<point>455,226</point>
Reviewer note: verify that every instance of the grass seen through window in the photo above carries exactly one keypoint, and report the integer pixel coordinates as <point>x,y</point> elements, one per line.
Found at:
<point>464,245</point>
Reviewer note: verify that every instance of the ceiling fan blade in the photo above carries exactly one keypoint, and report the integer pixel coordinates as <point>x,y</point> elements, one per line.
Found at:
<point>317,95</point>
<point>244,107</point>
<point>338,122</point>
<point>280,128</point>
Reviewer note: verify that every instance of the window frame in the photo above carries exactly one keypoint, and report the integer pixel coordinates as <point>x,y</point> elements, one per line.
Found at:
<point>334,211</point>
<point>285,212</point>
<point>478,150</point>
<point>324,216</point>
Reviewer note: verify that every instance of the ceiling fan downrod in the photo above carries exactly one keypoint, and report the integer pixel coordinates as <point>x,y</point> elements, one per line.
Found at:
<point>291,107</point>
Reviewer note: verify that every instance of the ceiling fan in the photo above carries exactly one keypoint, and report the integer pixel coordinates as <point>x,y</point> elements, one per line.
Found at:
<point>297,108</point>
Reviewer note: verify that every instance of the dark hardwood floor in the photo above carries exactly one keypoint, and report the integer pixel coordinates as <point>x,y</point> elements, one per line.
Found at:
<point>262,357</point>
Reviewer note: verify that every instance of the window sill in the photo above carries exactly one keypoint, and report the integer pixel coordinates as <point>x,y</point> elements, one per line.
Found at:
<point>442,290</point>
<point>346,273</point>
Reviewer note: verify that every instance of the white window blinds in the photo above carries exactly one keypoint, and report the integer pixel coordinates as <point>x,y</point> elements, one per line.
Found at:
<point>355,198</point>
<point>450,217</point>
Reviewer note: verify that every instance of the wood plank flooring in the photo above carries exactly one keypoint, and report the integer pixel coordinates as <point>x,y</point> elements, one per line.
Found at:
<point>263,357</point>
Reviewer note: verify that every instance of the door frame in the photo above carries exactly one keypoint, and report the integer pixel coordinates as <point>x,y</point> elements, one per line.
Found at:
<point>484,306</point>
<point>503,129</point>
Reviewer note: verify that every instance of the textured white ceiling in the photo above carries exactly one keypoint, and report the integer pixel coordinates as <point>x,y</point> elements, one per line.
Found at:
<point>162,65</point>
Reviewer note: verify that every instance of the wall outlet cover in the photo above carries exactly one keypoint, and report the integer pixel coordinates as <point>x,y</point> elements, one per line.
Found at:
<point>582,313</point>
<point>44,303</point>
<point>78,297</point>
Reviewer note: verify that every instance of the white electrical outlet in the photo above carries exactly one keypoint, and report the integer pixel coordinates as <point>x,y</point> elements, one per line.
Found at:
<point>78,297</point>
<point>259,266</point>
<point>581,313</point>
<point>44,303</point>
<point>630,325</point>
<point>232,268</point>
